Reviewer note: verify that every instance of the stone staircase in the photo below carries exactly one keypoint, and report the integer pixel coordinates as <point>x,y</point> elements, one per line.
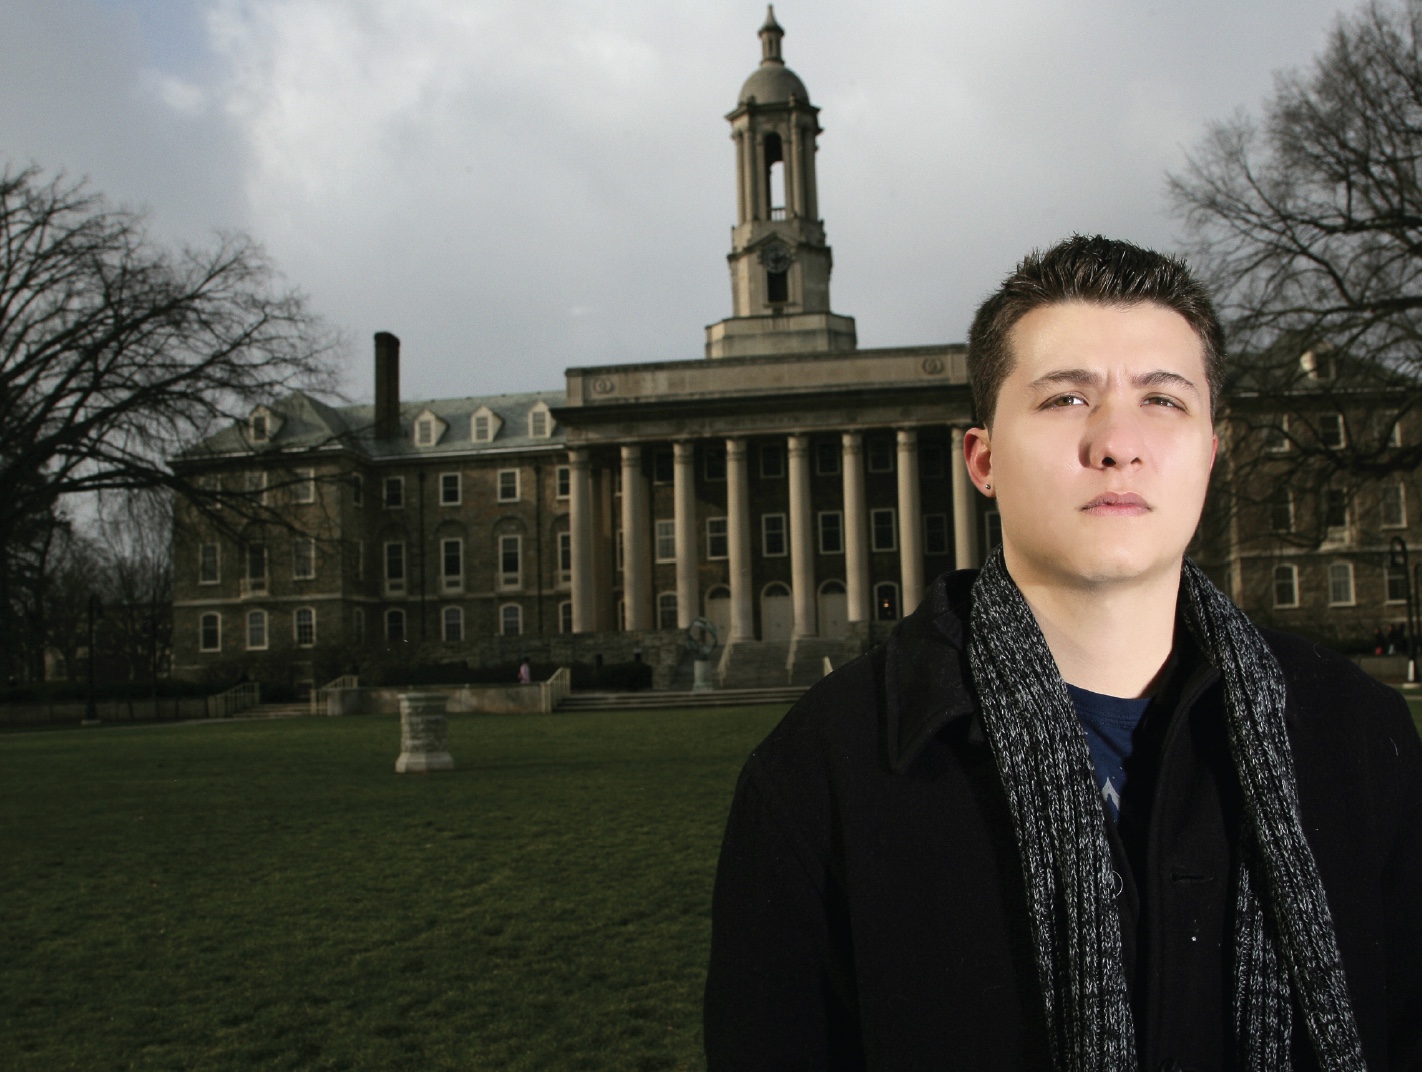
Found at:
<point>805,663</point>
<point>759,664</point>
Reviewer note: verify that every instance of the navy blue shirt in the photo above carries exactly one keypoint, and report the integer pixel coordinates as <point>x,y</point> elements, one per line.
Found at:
<point>1110,723</point>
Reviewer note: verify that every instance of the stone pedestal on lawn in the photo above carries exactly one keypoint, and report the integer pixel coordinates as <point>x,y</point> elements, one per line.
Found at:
<point>424,733</point>
<point>701,676</point>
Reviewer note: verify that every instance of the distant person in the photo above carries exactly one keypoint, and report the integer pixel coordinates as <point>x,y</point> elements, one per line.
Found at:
<point>1078,812</point>
<point>525,673</point>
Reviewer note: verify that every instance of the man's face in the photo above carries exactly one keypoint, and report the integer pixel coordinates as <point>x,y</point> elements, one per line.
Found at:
<point>1101,445</point>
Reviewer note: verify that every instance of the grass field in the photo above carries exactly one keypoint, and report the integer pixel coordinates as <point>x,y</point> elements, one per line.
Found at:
<point>272,895</point>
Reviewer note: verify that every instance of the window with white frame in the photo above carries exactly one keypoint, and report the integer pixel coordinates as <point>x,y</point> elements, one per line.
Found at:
<point>508,485</point>
<point>425,432</point>
<point>666,540</point>
<point>394,492</point>
<point>450,491</point>
<point>303,488</point>
<point>1276,434</point>
<point>451,557</point>
<point>772,461</point>
<point>1330,430</point>
<point>511,619</point>
<point>717,541</point>
<point>208,572</point>
<point>1340,584</point>
<point>935,534</point>
<point>256,567</point>
<point>357,490</point>
<point>883,529</point>
<point>482,430</point>
<point>772,535</point>
<point>1392,506</point>
<point>831,532</point>
<point>256,630</point>
<point>1286,586</point>
<point>827,459</point>
<point>565,616</point>
<point>358,624</point>
<point>565,558</point>
<point>540,421</point>
<point>303,627</point>
<point>666,610</point>
<point>210,632</point>
<point>1281,511</point>
<point>1335,509</point>
<point>258,427</point>
<point>395,626</point>
<point>879,455</point>
<point>394,567</point>
<point>303,558</point>
<point>510,561</point>
<point>563,482</point>
<point>1395,585</point>
<point>886,602</point>
<point>452,624</point>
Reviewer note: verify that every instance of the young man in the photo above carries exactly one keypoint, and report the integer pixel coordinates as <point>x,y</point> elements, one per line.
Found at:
<point>1078,812</point>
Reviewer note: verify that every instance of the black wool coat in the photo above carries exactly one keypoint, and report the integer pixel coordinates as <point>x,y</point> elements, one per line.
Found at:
<point>869,908</point>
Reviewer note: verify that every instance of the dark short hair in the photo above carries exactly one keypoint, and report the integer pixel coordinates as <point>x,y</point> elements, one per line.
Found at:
<point>1103,271</point>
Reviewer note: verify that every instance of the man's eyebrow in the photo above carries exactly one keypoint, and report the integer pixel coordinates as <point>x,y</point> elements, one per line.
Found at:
<point>1080,377</point>
<point>1165,378</point>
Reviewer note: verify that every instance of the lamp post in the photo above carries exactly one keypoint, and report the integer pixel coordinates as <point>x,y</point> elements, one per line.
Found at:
<point>1397,560</point>
<point>91,709</point>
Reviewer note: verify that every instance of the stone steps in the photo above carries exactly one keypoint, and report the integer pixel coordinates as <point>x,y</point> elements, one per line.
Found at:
<point>627,701</point>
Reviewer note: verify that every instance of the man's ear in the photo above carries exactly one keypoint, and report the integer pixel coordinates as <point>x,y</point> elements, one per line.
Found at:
<point>977,452</point>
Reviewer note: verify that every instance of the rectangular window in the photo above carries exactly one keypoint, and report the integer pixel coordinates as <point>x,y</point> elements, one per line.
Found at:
<point>1330,429</point>
<point>777,285</point>
<point>453,625</point>
<point>1335,508</point>
<point>717,545</point>
<point>1395,582</point>
<point>452,564</point>
<point>482,428</point>
<point>395,625</point>
<point>826,459</point>
<point>565,558</point>
<point>772,535</point>
<point>394,492</point>
<point>210,632</point>
<point>663,467</point>
<point>304,627</point>
<point>357,490</point>
<point>257,567</point>
<point>772,461</point>
<point>510,561</point>
<point>449,489</point>
<point>395,567</point>
<point>713,463</point>
<point>1286,586</point>
<point>880,455</point>
<point>424,433</point>
<point>256,630</point>
<point>666,610</point>
<point>358,624</point>
<point>564,481</point>
<point>1281,511</point>
<point>930,461</point>
<point>1392,506</point>
<point>831,525</point>
<point>883,531</point>
<point>511,619</point>
<point>207,564</point>
<point>935,534</point>
<point>565,616</point>
<point>304,489</point>
<point>1276,435</point>
<point>666,541</point>
<point>303,558</point>
<point>508,485</point>
<point>1340,584</point>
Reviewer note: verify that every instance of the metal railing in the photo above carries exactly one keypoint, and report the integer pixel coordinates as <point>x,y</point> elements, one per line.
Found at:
<point>236,699</point>
<point>320,697</point>
<point>555,690</point>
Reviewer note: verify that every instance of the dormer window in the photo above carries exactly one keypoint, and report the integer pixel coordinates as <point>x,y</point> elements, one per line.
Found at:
<point>540,421</point>
<point>263,425</point>
<point>429,429</point>
<point>484,425</point>
<point>259,427</point>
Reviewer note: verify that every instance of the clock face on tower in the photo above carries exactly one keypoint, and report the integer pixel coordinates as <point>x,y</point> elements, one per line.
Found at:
<point>776,257</point>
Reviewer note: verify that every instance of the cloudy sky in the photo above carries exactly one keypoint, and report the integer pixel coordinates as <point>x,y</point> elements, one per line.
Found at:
<point>518,186</point>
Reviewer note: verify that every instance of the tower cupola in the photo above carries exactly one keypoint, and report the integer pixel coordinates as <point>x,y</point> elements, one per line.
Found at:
<point>779,260</point>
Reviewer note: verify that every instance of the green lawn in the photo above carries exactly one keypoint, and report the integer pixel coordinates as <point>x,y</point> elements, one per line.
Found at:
<point>1415,702</point>
<point>272,895</point>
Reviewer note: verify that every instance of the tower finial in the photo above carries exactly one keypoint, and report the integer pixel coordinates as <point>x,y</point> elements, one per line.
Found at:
<point>770,35</point>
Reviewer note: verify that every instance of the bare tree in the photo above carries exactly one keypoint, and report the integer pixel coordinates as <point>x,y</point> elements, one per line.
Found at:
<point>114,352</point>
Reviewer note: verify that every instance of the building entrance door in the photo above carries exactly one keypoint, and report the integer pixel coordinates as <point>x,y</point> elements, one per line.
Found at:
<point>718,612</point>
<point>777,614</point>
<point>834,610</point>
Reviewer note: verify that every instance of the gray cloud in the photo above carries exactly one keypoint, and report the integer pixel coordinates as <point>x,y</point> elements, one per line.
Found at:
<point>517,188</point>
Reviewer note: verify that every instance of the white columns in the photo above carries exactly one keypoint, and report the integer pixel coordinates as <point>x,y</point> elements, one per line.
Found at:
<point>636,559</point>
<point>965,529</point>
<point>580,525</point>
<point>910,522</point>
<point>856,528</point>
<point>738,536</point>
<point>684,504</point>
<point>802,542</point>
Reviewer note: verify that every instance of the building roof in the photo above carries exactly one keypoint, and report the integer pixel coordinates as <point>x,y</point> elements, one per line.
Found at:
<point>774,83</point>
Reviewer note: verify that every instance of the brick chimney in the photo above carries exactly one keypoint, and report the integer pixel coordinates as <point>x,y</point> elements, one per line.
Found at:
<point>387,386</point>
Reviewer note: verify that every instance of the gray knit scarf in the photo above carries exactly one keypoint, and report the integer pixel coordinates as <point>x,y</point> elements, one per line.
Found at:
<point>1286,952</point>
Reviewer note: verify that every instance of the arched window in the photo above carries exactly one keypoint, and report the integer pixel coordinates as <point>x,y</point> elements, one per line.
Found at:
<point>395,626</point>
<point>511,619</point>
<point>776,590</point>
<point>256,630</point>
<point>832,588</point>
<point>453,624</point>
<point>886,602</point>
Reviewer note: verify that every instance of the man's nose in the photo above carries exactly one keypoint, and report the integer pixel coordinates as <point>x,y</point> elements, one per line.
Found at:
<point>1113,437</point>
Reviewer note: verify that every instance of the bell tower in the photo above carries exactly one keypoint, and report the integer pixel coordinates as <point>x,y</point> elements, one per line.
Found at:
<point>780,263</point>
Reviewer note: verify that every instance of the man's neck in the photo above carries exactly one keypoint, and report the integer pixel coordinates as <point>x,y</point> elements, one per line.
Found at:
<point>1113,638</point>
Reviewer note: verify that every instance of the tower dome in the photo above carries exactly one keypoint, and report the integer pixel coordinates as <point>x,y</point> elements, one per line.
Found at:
<point>772,82</point>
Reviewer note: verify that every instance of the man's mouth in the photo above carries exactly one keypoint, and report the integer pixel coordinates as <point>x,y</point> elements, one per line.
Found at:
<point>1113,503</point>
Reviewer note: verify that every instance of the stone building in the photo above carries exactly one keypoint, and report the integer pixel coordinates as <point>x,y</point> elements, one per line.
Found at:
<point>793,489</point>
